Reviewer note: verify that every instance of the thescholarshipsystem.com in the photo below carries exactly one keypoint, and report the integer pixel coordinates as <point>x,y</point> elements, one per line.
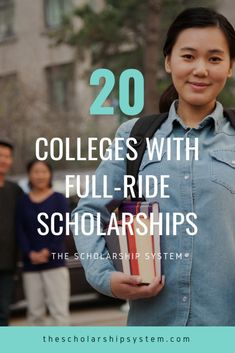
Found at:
<point>116,339</point>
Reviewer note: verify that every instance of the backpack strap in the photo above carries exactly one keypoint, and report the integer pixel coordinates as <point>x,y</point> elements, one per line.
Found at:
<point>230,114</point>
<point>144,128</point>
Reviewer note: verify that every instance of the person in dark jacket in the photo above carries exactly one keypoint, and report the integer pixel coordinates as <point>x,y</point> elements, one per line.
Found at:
<point>9,195</point>
<point>45,277</point>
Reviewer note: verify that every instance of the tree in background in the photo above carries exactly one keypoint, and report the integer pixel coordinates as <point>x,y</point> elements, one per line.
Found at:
<point>123,34</point>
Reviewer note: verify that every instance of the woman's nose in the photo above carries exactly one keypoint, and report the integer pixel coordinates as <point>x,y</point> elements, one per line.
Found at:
<point>200,69</point>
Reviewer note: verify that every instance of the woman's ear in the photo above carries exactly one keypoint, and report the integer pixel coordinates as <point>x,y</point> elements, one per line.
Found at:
<point>167,64</point>
<point>230,73</point>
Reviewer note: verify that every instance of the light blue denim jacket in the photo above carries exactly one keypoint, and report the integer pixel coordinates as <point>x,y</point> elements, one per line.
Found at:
<point>200,286</point>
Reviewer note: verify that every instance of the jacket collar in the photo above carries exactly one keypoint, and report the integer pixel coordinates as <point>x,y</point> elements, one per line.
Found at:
<point>216,118</point>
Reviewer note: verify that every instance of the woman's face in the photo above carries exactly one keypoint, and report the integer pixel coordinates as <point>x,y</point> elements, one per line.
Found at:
<point>40,176</point>
<point>199,65</point>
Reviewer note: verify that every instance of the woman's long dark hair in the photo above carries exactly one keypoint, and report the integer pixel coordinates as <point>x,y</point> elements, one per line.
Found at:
<point>199,17</point>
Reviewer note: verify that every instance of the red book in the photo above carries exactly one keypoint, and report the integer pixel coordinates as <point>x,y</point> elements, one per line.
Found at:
<point>134,266</point>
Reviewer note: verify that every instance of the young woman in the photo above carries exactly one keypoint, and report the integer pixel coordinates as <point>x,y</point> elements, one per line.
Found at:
<point>199,286</point>
<point>45,277</point>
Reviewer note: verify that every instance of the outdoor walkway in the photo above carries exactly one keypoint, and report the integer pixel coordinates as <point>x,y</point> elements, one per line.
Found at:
<point>101,316</point>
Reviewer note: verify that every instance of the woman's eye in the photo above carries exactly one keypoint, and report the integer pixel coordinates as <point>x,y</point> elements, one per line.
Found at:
<point>215,59</point>
<point>187,56</point>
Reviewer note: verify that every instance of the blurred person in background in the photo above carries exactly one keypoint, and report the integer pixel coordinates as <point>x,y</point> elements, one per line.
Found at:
<point>9,196</point>
<point>46,277</point>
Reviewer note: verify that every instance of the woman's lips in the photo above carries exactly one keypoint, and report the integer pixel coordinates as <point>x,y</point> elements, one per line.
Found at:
<point>199,86</point>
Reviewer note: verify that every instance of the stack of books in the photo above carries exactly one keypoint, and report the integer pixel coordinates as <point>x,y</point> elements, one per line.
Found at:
<point>131,251</point>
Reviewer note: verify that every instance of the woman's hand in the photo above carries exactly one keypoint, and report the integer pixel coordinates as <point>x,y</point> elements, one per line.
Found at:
<point>125,286</point>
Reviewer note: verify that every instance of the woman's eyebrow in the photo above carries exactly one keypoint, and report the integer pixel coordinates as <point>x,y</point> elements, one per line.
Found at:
<point>187,48</point>
<point>211,51</point>
<point>216,51</point>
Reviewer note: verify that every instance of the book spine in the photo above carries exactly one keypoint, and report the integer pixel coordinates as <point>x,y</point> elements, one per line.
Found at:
<point>144,245</point>
<point>134,266</point>
<point>124,250</point>
<point>156,240</point>
<point>150,209</point>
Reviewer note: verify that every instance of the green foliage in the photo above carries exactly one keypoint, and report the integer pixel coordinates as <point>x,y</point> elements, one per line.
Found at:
<point>114,36</point>
<point>227,95</point>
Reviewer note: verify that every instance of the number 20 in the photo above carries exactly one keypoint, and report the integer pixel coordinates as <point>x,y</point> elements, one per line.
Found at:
<point>97,107</point>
